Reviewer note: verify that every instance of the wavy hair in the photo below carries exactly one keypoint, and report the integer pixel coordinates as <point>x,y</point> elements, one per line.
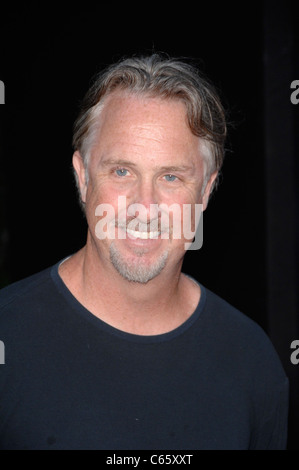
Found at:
<point>167,78</point>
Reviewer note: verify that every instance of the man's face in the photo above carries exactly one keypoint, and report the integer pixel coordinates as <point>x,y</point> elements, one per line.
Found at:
<point>144,157</point>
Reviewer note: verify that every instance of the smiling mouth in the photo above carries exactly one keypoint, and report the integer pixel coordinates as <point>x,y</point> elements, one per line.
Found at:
<point>143,235</point>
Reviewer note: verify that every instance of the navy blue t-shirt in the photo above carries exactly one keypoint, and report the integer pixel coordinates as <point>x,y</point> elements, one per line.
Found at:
<point>71,381</point>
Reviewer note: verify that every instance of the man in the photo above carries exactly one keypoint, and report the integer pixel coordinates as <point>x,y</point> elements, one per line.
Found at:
<point>114,347</point>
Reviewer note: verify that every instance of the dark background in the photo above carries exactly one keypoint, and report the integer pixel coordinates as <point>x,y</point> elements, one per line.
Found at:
<point>251,52</point>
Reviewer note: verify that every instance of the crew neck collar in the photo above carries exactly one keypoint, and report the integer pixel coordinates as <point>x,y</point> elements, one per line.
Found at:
<point>74,303</point>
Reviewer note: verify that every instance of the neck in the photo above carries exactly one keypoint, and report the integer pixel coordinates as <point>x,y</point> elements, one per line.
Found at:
<point>156,307</point>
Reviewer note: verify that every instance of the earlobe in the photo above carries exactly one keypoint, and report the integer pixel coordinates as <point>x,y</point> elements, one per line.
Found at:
<point>80,173</point>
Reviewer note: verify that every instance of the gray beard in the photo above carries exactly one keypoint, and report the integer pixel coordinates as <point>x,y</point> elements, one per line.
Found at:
<point>137,271</point>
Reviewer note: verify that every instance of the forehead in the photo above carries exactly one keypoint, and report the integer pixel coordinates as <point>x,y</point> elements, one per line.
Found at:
<point>126,106</point>
<point>145,130</point>
<point>127,118</point>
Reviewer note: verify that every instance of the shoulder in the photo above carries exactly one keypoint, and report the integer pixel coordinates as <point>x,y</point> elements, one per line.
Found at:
<point>231,320</point>
<point>240,339</point>
<point>21,300</point>
<point>23,288</point>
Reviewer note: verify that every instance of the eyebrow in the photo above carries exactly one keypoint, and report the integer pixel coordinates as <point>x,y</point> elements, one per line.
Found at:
<point>119,162</point>
<point>166,169</point>
<point>173,168</point>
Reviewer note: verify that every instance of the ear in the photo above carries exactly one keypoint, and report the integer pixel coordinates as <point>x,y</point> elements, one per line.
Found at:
<point>208,190</point>
<point>79,168</point>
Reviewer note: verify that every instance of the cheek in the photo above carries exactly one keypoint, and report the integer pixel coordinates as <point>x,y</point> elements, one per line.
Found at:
<point>105,207</point>
<point>99,192</point>
<point>181,195</point>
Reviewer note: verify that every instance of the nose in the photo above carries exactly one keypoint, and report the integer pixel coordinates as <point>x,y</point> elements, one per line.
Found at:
<point>144,201</point>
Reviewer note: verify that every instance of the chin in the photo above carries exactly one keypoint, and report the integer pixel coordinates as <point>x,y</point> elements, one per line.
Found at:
<point>140,267</point>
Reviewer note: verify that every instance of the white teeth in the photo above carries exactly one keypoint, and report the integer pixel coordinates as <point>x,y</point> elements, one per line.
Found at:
<point>143,235</point>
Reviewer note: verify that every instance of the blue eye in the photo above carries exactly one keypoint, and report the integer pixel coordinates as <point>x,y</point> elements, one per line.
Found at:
<point>170,178</point>
<point>121,172</point>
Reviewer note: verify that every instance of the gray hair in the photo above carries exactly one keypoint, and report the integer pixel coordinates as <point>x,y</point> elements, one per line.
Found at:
<point>167,78</point>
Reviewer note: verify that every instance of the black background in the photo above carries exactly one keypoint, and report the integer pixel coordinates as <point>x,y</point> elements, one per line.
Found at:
<point>48,57</point>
